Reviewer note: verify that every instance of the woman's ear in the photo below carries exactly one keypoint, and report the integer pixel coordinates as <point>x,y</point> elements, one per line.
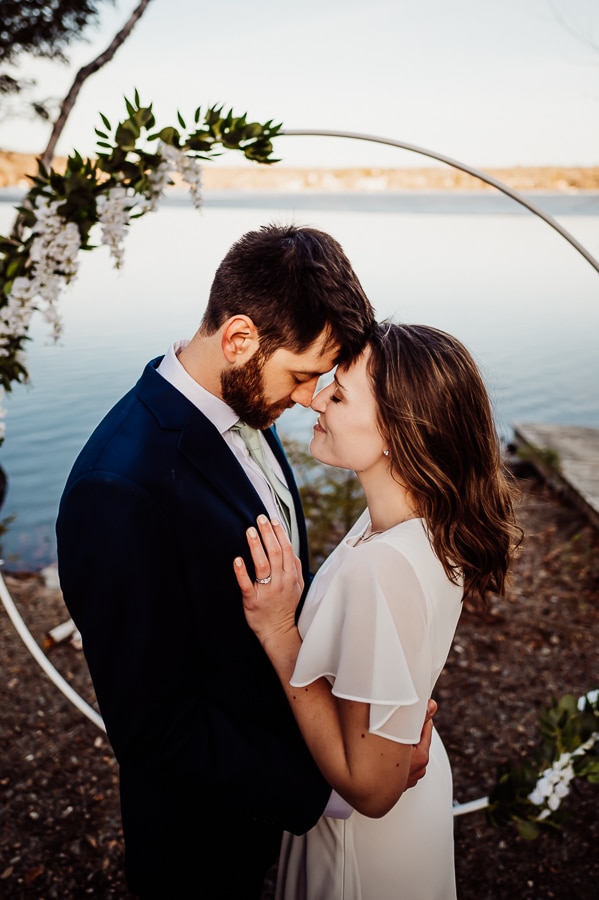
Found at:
<point>239,339</point>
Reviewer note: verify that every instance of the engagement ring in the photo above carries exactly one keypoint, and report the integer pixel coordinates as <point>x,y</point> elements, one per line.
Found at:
<point>263,580</point>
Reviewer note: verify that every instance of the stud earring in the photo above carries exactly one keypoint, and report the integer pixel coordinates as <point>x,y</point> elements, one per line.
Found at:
<point>385,453</point>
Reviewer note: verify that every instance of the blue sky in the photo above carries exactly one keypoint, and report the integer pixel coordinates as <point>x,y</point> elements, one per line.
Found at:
<point>489,82</point>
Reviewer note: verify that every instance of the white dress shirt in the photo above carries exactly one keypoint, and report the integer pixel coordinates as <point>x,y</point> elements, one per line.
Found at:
<point>223,417</point>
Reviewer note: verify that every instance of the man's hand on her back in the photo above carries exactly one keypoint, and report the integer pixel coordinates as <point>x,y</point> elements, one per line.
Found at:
<point>422,749</point>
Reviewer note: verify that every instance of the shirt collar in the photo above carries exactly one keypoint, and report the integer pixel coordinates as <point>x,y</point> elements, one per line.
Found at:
<point>216,410</point>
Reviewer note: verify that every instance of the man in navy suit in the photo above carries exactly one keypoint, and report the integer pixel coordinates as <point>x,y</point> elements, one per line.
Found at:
<point>212,765</point>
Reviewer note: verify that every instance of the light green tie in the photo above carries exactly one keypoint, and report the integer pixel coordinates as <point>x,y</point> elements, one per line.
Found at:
<point>253,441</point>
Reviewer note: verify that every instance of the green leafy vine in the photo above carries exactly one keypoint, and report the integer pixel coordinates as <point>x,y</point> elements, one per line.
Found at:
<point>130,172</point>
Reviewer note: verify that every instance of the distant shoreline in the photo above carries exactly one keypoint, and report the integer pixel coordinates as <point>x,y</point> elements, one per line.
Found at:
<point>14,168</point>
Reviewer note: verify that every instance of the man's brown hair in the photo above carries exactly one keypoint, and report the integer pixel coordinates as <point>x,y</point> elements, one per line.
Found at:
<point>294,283</point>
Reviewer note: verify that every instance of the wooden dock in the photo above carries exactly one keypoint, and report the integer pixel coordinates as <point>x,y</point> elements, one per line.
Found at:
<point>566,455</point>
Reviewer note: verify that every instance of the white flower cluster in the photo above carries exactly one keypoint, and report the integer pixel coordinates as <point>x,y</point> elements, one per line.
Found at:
<point>114,214</point>
<point>592,697</point>
<point>554,783</point>
<point>159,179</point>
<point>53,258</point>
<point>188,167</point>
<point>56,243</point>
<point>115,206</point>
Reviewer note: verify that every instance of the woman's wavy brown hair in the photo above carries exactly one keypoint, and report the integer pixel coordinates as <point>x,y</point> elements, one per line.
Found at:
<point>435,413</point>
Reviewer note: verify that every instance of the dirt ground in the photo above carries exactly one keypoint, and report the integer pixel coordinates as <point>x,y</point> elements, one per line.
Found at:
<point>59,818</point>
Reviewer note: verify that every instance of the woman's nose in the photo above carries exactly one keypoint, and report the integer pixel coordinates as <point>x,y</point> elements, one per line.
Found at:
<point>319,401</point>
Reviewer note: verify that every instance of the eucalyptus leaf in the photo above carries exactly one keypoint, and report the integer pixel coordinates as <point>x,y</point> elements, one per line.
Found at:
<point>126,135</point>
<point>13,268</point>
<point>253,130</point>
<point>213,116</point>
<point>528,830</point>
<point>130,170</point>
<point>200,144</point>
<point>169,135</point>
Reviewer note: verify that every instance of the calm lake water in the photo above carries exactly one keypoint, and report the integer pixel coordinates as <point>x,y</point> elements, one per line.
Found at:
<point>522,298</point>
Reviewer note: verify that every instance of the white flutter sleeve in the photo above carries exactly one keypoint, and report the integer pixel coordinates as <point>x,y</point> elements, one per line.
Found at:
<point>369,634</point>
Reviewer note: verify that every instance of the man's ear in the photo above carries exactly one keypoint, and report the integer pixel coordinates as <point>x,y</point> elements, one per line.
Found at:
<point>239,339</point>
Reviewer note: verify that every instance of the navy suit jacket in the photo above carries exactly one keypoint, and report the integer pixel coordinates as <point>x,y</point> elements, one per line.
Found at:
<point>152,515</point>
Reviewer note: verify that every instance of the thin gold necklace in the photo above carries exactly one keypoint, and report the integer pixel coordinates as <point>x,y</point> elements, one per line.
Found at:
<point>368,533</point>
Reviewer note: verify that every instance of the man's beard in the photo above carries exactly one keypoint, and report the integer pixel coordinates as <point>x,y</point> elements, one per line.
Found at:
<point>242,389</point>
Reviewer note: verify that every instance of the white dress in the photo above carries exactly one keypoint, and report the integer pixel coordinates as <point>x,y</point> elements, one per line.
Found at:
<point>378,621</point>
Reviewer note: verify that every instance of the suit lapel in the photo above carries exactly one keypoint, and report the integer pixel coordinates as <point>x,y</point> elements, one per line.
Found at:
<point>199,441</point>
<point>202,444</point>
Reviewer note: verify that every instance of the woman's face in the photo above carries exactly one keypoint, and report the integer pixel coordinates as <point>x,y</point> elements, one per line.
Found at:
<point>346,433</point>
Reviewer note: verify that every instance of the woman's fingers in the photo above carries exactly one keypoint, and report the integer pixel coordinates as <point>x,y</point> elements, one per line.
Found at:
<point>272,555</point>
<point>260,558</point>
<point>277,543</point>
<point>270,598</point>
<point>267,554</point>
<point>243,579</point>
<point>276,546</point>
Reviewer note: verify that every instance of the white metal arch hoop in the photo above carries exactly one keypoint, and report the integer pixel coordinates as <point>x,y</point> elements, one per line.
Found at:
<point>483,176</point>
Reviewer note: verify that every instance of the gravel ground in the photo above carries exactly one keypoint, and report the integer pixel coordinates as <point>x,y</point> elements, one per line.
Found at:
<point>59,819</point>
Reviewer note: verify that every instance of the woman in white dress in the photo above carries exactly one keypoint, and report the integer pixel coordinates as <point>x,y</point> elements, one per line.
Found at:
<point>412,418</point>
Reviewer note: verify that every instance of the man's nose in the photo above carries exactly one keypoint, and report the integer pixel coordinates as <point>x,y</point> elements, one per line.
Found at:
<point>304,392</point>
